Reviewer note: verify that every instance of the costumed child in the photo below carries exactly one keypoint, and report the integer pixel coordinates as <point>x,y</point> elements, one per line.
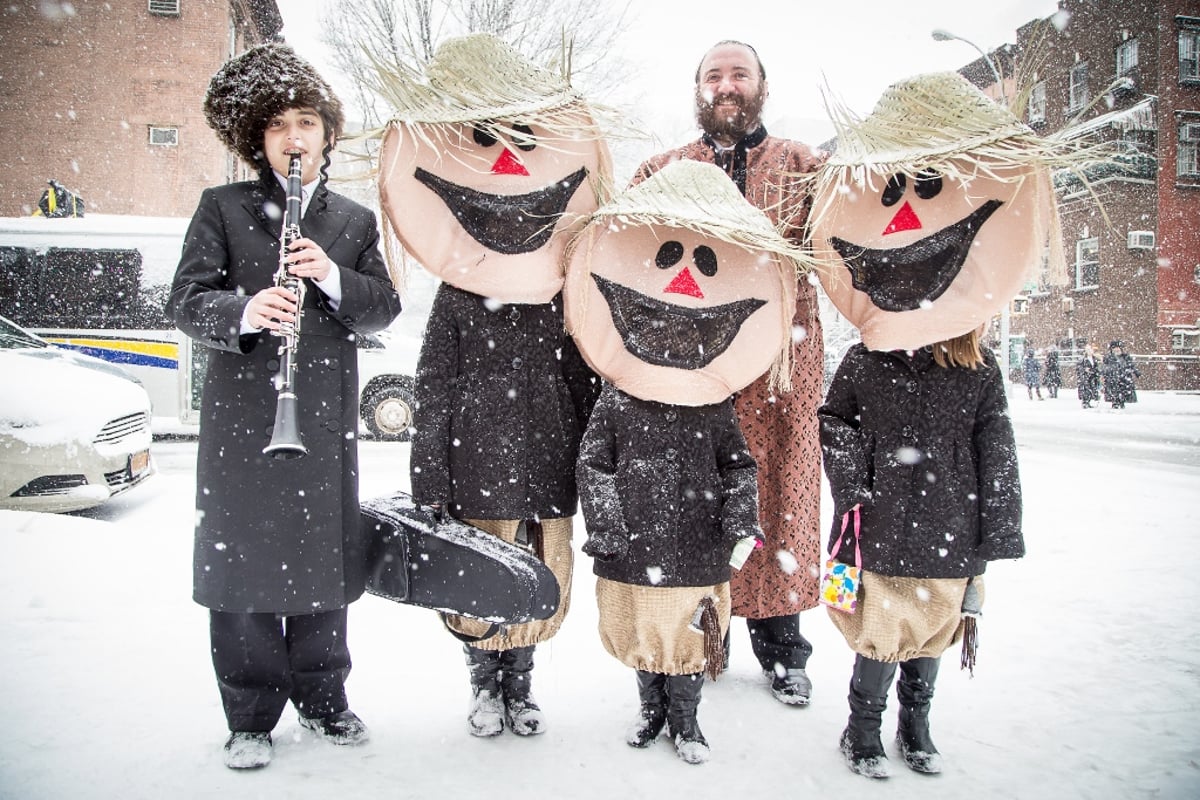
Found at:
<point>679,293</point>
<point>930,216</point>
<point>486,164</point>
<point>278,556</point>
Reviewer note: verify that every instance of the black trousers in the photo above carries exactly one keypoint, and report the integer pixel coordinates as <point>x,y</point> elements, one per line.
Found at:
<point>777,640</point>
<point>262,660</point>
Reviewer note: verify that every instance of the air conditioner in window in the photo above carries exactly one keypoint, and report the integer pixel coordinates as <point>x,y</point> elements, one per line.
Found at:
<point>1141,240</point>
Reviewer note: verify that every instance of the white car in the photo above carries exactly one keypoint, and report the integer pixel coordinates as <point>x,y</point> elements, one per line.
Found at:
<point>74,430</point>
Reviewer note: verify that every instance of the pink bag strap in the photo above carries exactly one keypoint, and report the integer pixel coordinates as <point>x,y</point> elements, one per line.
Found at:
<point>857,530</point>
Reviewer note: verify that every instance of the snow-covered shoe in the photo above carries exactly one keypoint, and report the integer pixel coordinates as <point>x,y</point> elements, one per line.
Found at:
<point>247,750</point>
<point>867,759</point>
<point>344,727</point>
<point>683,700</point>
<point>652,716</point>
<point>919,757</point>
<point>860,742</point>
<point>486,715</point>
<point>521,711</point>
<point>790,686</point>
<point>915,690</point>
<point>523,716</point>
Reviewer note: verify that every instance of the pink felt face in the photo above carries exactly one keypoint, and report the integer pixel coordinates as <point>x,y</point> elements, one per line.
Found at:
<point>918,260</point>
<point>487,212</point>
<point>667,314</point>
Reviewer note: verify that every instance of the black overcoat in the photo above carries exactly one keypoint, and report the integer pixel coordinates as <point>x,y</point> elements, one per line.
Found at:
<point>502,398</point>
<point>1119,372</point>
<point>277,535</point>
<point>1087,378</point>
<point>666,490</point>
<point>929,452</point>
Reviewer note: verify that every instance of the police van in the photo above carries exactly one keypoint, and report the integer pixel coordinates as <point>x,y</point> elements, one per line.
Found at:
<point>99,284</point>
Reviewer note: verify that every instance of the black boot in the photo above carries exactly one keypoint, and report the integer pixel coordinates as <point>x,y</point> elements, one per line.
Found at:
<point>915,690</point>
<point>520,710</point>
<point>683,698</point>
<point>652,690</point>
<point>486,715</point>
<point>861,744</point>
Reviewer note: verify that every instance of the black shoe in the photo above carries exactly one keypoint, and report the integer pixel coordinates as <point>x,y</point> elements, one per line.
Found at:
<point>247,750</point>
<point>792,688</point>
<point>344,727</point>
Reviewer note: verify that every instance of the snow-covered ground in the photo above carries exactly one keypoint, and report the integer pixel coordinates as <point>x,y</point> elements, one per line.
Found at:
<point>1087,686</point>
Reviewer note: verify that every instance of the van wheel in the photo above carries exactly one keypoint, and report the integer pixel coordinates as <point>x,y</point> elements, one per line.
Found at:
<point>387,410</point>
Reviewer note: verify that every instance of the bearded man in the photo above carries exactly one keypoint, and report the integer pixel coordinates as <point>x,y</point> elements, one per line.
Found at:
<point>779,580</point>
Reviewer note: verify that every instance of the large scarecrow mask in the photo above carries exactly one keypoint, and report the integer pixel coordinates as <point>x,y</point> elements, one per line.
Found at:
<point>679,290</point>
<point>486,168</point>
<point>932,213</point>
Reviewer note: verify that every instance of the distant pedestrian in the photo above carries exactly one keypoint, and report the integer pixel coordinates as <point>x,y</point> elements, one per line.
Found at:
<point>1052,376</point>
<point>1119,371</point>
<point>1032,371</point>
<point>1087,377</point>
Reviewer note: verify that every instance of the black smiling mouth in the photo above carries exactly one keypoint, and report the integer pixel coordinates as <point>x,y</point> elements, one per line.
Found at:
<point>902,278</point>
<point>668,335</point>
<point>507,223</point>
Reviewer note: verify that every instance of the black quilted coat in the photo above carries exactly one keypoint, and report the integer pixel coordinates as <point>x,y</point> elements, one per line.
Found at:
<point>930,454</point>
<point>271,535</point>
<point>666,490</point>
<point>502,398</point>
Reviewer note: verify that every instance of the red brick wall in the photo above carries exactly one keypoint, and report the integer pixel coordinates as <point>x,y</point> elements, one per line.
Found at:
<point>80,92</point>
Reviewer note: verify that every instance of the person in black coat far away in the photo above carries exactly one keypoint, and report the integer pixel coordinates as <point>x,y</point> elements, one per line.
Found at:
<point>1052,375</point>
<point>1119,371</point>
<point>277,558</point>
<point>1032,371</point>
<point>1087,377</point>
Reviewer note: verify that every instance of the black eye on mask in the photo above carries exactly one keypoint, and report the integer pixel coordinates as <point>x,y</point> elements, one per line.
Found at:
<point>894,190</point>
<point>705,260</point>
<point>483,138</point>
<point>669,255</point>
<point>929,185</point>
<point>524,139</point>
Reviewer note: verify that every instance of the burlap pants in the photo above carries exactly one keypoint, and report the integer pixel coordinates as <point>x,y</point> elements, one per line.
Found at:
<point>898,619</point>
<point>647,627</point>
<point>557,553</point>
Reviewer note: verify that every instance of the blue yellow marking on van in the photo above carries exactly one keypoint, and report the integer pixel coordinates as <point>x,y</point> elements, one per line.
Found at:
<point>123,350</point>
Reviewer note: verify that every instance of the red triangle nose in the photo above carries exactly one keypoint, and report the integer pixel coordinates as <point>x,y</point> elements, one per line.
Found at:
<point>507,164</point>
<point>684,283</point>
<point>905,220</point>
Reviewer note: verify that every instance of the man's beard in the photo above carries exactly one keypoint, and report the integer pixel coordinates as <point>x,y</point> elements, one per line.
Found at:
<point>720,123</point>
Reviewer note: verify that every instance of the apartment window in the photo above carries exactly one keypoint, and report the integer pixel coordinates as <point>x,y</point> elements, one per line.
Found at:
<point>1087,264</point>
<point>1126,56</point>
<point>1020,305</point>
<point>1188,155</point>
<point>1037,103</point>
<point>1189,52</point>
<point>164,137</point>
<point>165,8</point>
<point>1079,89</point>
<point>1185,339</point>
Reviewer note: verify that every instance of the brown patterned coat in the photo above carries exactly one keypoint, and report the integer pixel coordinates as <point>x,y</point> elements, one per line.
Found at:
<point>780,429</point>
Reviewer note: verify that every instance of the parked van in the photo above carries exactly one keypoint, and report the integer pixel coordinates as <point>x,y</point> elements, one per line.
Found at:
<point>99,284</point>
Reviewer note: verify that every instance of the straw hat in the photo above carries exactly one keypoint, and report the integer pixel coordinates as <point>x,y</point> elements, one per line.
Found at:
<point>933,116</point>
<point>700,197</point>
<point>248,90</point>
<point>475,78</point>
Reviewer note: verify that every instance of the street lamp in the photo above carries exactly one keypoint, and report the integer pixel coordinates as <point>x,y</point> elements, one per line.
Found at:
<point>943,35</point>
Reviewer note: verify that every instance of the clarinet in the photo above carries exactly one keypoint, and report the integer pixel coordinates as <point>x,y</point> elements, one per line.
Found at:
<point>285,438</point>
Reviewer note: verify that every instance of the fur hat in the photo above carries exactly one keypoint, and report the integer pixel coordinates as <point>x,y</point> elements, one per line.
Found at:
<point>265,80</point>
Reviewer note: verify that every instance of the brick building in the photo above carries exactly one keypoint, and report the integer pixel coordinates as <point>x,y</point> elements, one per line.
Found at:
<point>1124,72</point>
<point>106,99</point>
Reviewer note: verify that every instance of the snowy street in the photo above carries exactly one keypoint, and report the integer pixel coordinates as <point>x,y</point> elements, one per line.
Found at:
<point>1087,683</point>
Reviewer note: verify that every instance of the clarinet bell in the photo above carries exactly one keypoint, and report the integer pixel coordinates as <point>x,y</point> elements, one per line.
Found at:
<point>285,437</point>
